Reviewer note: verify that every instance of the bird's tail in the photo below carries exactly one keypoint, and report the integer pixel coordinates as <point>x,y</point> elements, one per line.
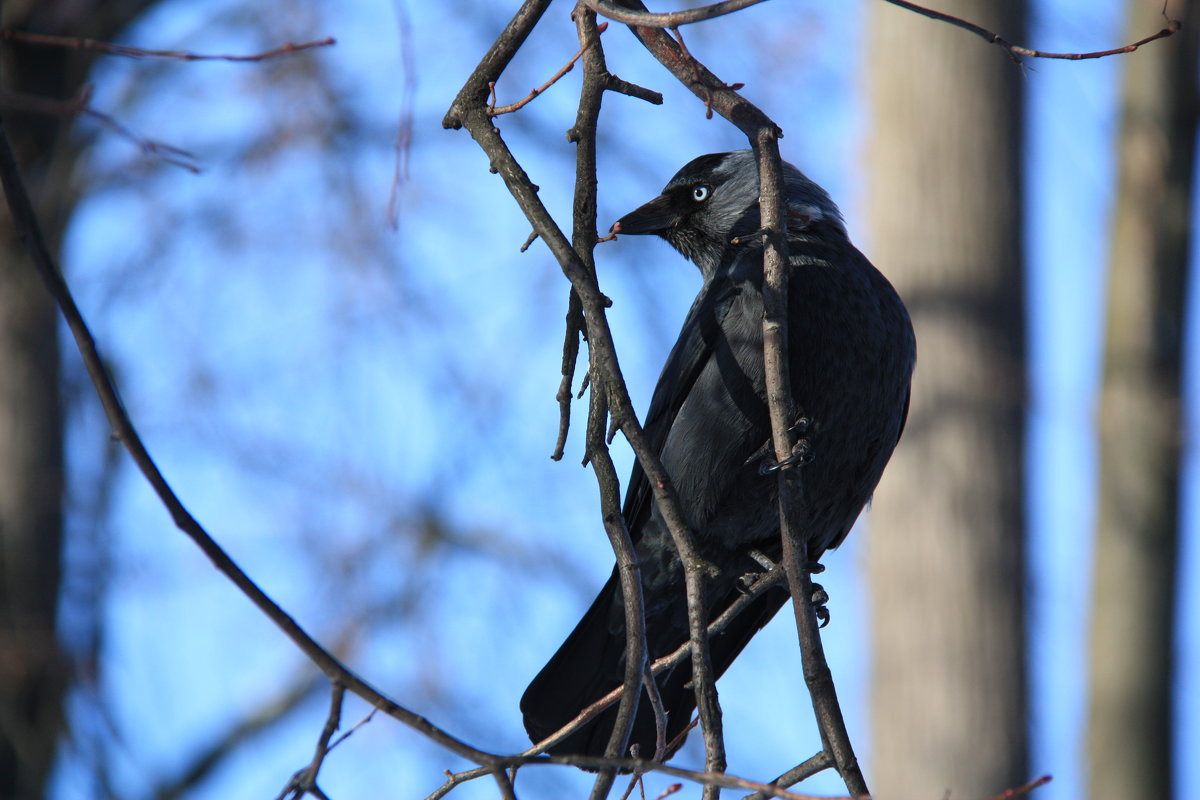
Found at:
<point>590,663</point>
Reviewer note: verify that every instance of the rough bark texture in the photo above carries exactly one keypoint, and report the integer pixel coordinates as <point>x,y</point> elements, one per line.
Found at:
<point>33,672</point>
<point>1137,535</point>
<point>946,552</point>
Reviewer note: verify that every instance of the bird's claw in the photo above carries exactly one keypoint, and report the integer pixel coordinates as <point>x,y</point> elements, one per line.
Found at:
<point>801,454</point>
<point>822,616</point>
<point>819,598</point>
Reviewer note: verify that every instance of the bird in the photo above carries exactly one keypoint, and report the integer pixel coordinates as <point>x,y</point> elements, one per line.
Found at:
<point>851,355</point>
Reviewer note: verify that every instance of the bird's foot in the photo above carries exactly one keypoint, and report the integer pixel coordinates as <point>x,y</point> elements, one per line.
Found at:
<point>819,599</point>
<point>802,452</point>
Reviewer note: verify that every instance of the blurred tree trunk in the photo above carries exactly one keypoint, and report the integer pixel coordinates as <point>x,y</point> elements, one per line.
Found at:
<point>33,672</point>
<point>1137,535</point>
<point>946,539</point>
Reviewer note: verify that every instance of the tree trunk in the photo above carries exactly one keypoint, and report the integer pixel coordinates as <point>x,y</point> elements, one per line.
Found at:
<point>33,672</point>
<point>946,539</point>
<point>1137,534</point>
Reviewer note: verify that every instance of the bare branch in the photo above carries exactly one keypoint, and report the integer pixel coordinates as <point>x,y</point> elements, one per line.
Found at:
<point>717,95</point>
<point>716,780</point>
<point>469,110</point>
<point>404,123</point>
<point>30,233</point>
<point>508,109</point>
<point>583,133</point>
<point>673,19</point>
<point>505,784</point>
<point>1173,25</point>
<point>575,327</point>
<point>821,761</point>
<point>212,758</point>
<point>108,48</point>
<point>765,581</point>
<point>305,781</point>
<point>79,106</point>
<point>620,86</point>
<point>660,714</point>
<point>475,90</point>
<point>1008,794</point>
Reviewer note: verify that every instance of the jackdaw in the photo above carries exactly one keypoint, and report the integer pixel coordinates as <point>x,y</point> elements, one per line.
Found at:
<point>851,356</point>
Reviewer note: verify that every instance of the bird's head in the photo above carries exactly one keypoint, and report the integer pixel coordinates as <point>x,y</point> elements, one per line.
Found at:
<point>714,199</point>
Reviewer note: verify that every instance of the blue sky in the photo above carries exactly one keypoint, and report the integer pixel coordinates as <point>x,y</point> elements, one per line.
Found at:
<point>307,377</point>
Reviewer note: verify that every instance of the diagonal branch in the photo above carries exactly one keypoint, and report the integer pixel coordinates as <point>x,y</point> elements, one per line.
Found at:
<point>768,580</point>
<point>30,232</point>
<point>1173,25</point>
<point>78,105</point>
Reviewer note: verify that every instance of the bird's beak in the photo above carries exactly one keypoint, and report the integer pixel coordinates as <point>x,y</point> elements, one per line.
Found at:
<point>654,217</point>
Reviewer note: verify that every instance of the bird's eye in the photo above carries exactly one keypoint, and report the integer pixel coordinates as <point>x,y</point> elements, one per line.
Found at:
<point>700,193</point>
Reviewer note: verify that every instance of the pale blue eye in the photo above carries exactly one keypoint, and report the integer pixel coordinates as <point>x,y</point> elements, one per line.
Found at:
<point>700,193</point>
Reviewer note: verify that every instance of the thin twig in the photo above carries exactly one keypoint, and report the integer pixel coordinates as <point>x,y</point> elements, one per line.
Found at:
<point>505,784</point>
<point>802,771</point>
<point>660,714</point>
<point>719,780</point>
<point>669,20</point>
<point>487,71</point>
<point>716,94</point>
<point>404,123</point>
<point>350,732</point>
<point>108,48</point>
<point>575,327</point>
<point>620,86</point>
<point>766,581</point>
<point>1008,794</point>
<point>305,781</point>
<point>78,106</point>
<point>511,107</point>
<point>1173,25</point>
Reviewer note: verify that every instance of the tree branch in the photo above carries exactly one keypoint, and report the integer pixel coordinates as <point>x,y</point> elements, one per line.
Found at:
<point>673,19</point>
<point>30,232</point>
<point>305,781</point>
<point>79,106</point>
<point>1173,25</point>
<point>766,581</point>
<point>714,780</point>
<point>763,134</point>
<point>76,43</point>
<point>469,110</point>
<point>583,133</point>
<point>496,111</point>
